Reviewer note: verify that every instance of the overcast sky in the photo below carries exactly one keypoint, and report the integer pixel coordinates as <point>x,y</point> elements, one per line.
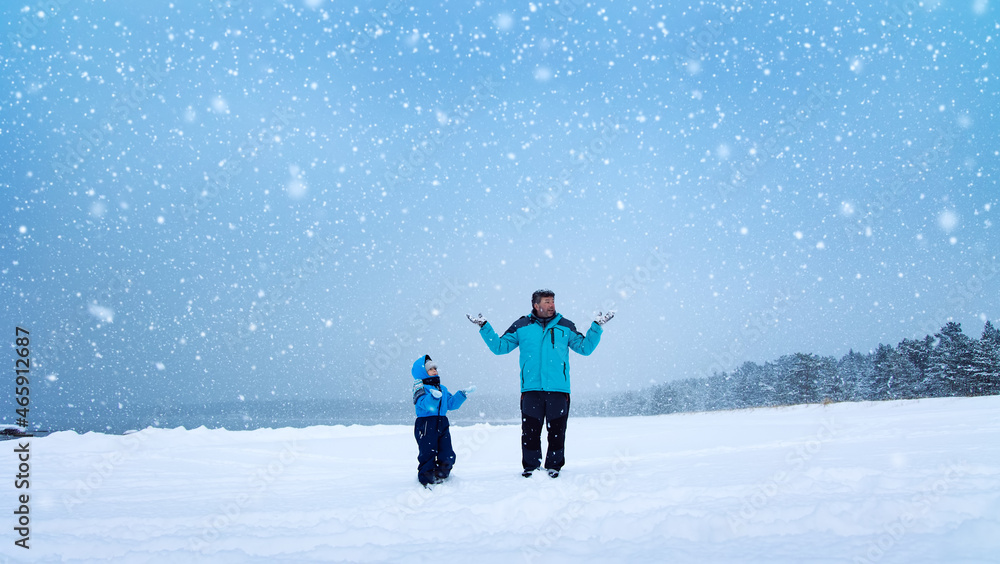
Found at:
<point>263,199</point>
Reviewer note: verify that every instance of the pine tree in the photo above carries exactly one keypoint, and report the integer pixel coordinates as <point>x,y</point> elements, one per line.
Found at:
<point>771,392</point>
<point>829,384</point>
<point>986,362</point>
<point>690,394</point>
<point>718,392</point>
<point>949,371</point>
<point>917,352</point>
<point>663,400</point>
<point>804,373</point>
<point>749,386</point>
<point>884,374</point>
<point>856,371</point>
<point>906,377</point>
<point>785,388</point>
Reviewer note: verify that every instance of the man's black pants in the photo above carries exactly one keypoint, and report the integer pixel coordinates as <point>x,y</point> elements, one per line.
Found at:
<point>553,409</point>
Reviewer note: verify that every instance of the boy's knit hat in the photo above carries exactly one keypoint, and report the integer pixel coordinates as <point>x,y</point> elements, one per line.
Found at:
<point>428,363</point>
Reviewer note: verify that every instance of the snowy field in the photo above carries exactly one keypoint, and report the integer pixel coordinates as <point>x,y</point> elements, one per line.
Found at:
<point>908,481</point>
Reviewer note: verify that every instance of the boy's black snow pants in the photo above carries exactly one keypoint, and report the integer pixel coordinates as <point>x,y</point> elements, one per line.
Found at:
<point>553,409</point>
<point>436,457</point>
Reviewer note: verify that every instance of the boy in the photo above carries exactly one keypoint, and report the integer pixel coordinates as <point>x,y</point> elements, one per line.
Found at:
<point>432,402</point>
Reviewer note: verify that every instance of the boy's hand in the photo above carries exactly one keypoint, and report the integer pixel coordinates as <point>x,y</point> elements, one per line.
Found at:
<point>435,392</point>
<point>603,318</point>
<point>468,390</point>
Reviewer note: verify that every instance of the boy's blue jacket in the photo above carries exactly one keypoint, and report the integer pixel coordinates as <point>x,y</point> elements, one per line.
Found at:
<point>424,402</point>
<point>544,349</point>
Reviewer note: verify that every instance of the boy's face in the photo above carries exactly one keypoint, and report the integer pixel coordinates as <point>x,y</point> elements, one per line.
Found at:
<point>546,307</point>
<point>433,371</point>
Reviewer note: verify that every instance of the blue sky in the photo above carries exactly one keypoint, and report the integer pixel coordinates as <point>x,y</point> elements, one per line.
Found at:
<point>296,199</point>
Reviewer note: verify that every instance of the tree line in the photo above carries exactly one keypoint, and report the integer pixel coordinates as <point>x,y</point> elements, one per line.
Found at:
<point>949,363</point>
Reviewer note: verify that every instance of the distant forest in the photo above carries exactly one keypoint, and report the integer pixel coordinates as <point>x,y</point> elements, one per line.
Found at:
<point>946,364</point>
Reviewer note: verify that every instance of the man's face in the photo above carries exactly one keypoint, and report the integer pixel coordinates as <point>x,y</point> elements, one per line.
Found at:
<point>546,307</point>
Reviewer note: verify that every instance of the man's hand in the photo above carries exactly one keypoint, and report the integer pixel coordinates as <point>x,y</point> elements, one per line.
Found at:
<point>603,318</point>
<point>478,320</point>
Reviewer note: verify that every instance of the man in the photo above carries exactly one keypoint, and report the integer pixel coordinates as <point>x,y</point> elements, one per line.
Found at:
<point>545,339</point>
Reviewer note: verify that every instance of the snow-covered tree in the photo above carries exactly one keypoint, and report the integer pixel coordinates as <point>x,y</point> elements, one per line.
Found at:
<point>829,384</point>
<point>986,362</point>
<point>883,379</point>
<point>747,385</point>
<point>949,371</point>
<point>917,352</point>
<point>856,372</point>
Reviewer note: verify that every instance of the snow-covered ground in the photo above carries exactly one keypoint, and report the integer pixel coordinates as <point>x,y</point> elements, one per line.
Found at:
<point>908,481</point>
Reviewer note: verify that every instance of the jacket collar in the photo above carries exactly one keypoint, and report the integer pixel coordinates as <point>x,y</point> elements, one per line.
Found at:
<point>544,322</point>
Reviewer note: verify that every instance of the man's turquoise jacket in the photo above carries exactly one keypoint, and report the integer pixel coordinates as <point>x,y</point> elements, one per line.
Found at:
<point>544,348</point>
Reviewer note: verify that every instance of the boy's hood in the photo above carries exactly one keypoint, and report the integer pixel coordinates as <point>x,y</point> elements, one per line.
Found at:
<point>418,371</point>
